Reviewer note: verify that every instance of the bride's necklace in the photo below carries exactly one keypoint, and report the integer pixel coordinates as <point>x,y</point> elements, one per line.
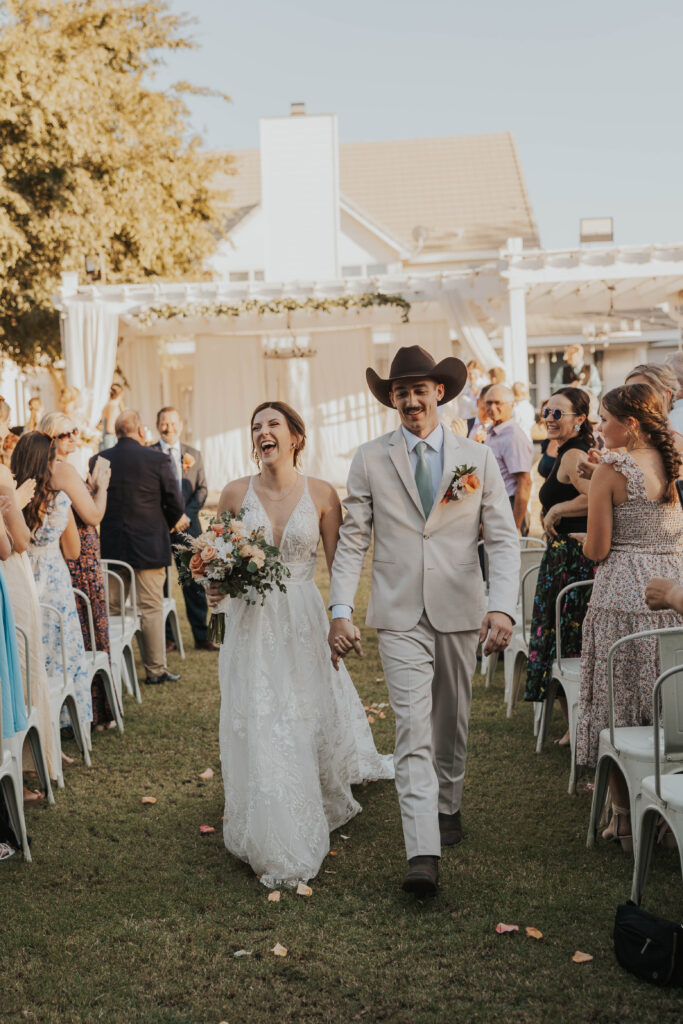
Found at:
<point>282,497</point>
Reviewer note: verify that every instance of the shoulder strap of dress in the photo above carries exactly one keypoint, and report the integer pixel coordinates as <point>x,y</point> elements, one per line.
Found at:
<point>625,464</point>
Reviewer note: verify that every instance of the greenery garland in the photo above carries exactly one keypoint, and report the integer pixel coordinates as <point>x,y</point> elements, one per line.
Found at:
<point>288,305</point>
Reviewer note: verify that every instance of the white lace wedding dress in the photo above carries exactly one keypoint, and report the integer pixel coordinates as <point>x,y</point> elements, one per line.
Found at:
<point>293,733</point>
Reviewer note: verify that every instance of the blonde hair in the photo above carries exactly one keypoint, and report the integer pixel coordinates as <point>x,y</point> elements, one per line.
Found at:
<point>497,375</point>
<point>520,390</point>
<point>5,411</point>
<point>55,423</point>
<point>662,378</point>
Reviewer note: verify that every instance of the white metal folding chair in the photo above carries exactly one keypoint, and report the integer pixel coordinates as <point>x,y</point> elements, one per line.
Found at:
<point>171,616</point>
<point>13,792</point>
<point>659,797</point>
<point>517,651</point>
<point>99,664</point>
<point>31,734</point>
<point>566,672</point>
<point>122,630</point>
<point>632,748</point>
<point>62,692</point>
<point>531,551</point>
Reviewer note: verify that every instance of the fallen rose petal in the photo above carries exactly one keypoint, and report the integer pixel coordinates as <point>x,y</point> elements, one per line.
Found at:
<point>533,933</point>
<point>581,958</point>
<point>344,837</point>
<point>274,896</point>
<point>208,774</point>
<point>382,715</point>
<point>503,928</point>
<point>242,952</point>
<point>333,853</point>
<point>371,719</point>
<point>206,830</point>
<point>303,890</point>
<point>279,950</point>
<point>149,799</point>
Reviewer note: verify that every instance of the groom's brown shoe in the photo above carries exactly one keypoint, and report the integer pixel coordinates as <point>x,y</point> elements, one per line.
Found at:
<point>450,827</point>
<point>422,878</point>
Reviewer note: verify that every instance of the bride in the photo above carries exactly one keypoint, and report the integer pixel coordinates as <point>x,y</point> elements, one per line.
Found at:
<point>294,736</point>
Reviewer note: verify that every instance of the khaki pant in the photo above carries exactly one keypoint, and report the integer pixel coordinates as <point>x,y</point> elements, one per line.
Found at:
<point>149,585</point>
<point>429,678</point>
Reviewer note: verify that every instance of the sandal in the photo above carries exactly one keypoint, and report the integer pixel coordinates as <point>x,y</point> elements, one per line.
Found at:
<point>619,829</point>
<point>665,836</point>
<point>33,796</point>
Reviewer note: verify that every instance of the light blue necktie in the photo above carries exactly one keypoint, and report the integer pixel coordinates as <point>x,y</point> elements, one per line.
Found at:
<point>423,478</point>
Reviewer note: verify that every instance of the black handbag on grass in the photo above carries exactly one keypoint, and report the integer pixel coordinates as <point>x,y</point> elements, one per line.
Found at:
<point>648,946</point>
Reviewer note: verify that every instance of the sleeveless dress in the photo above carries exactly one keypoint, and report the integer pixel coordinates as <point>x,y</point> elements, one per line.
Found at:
<point>53,584</point>
<point>294,736</point>
<point>647,541</point>
<point>11,682</point>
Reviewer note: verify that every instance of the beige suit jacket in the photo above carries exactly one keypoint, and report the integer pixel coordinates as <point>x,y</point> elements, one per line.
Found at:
<point>430,565</point>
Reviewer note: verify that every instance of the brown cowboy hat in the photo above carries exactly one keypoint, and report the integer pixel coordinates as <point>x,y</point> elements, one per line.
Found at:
<point>415,363</point>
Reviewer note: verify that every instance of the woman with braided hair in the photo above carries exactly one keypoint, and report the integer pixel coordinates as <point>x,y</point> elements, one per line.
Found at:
<point>635,532</point>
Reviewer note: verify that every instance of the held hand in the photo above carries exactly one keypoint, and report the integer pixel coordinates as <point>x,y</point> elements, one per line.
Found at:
<point>342,638</point>
<point>586,467</point>
<point>182,524</point>
<point>213,594</point>
<point>24,493</point>
<point>497,626</point>
<point>480,436</point>
<point>658,593</point>
<point>551,517</point>
<point>101,474</point>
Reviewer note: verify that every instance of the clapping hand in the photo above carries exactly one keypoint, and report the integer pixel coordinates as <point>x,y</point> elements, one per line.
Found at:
<point>101,474</point>
<point>24,493</point>
<point>586,467</point>
<point>342,638</point>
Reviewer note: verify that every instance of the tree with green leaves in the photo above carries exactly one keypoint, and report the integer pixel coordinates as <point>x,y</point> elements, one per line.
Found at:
<point>94,162</point>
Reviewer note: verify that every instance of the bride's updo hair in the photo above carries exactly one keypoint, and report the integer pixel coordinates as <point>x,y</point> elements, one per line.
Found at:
<point>643,403</point>
<point>296,425</point>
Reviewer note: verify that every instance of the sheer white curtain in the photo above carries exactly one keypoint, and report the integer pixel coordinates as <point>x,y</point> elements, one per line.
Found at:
<point>462,317</point>
<point>89,338</point>
<point>139,362</point>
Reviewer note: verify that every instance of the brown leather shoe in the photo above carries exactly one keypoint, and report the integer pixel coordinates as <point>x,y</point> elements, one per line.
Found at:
<point>422,878</point>
<point>171,645</point>
<point>450,827</point>
<point>207,645</point>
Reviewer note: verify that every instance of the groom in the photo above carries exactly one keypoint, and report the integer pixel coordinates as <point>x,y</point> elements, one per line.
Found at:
<point>427,599</point>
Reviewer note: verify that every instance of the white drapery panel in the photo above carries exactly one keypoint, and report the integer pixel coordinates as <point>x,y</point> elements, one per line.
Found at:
<point>462,318</point>
<point>89,338</point>
<point>138,360</point>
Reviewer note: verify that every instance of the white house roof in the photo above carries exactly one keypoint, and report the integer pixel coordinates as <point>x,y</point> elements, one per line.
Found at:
<point>459,194</point>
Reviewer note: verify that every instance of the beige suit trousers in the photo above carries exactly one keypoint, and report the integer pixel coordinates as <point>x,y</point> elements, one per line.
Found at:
<point>429,678</point>
<point>149,587</point>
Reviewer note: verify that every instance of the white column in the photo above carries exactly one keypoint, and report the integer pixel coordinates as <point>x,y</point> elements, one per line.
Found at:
<point>518,367</point>
<point>543,386</point>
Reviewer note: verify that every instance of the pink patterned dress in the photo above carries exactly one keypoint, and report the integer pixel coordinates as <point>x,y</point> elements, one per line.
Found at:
<point>647,541</point>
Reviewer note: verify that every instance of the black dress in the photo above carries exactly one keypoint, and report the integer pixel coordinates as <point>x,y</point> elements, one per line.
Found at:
<point>546,462</point>
<point>563,563</point>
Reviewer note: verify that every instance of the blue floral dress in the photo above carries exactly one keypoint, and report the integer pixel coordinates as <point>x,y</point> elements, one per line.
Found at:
<point>11,682</point>
<point>53,583</point>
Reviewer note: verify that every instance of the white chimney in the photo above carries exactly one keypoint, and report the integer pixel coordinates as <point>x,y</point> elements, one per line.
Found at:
<point>300,195</point>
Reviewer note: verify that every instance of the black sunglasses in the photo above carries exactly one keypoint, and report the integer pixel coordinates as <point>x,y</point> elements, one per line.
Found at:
<point>69,433</point>
<point>556,414</point>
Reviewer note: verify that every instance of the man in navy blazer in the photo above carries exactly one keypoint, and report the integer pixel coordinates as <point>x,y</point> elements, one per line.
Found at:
<point>143,503</point>
<point>188,468</point>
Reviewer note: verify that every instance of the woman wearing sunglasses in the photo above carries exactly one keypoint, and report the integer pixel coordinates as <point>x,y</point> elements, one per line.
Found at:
<point>564,505</point>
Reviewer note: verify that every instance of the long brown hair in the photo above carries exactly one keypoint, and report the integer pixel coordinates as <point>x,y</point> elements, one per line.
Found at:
<point>644,404</point>
<point>294,422</point>
<point>33,458</point>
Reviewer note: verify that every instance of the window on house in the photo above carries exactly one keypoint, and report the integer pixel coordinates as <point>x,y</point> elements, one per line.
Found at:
<point>352,271</point>
<point>259,275</point>
<point>377,268</point>
<point>239,275</point>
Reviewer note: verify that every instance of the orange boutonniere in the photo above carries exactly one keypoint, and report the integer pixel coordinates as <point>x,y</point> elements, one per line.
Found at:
<point>465,481</point>
<point>187,462</point>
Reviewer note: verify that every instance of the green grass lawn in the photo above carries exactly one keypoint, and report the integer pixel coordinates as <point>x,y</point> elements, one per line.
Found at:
<point>128,914</point>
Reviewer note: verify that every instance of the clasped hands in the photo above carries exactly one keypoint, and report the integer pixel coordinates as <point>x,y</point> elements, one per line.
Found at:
<point>495,634</point>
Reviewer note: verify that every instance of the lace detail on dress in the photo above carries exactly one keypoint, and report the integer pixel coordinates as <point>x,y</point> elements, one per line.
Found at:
<point>293,734</point>
<point>625,464</point>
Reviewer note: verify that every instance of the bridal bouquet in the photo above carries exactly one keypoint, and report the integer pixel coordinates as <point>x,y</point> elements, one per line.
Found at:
<point>242,563</point>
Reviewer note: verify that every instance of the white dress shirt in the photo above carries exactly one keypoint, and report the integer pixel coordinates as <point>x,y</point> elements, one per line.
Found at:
<point>434,457</point>
<point>176,458</point>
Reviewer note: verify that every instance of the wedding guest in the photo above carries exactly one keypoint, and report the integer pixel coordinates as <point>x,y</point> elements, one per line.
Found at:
<point>35,414</point>
<point>54,537</point>
<point>22,588</point>
<point>111,411</point>
<point>11,684</point>
<point>513,450</point>
<point>188,468</point>
<point>675,361</point>
<point>576,372</point>
<point>477,426</point>
<point>8,444</point>
<point>476,380</point>
<point>564,504</point>
<point>86,569</point>
<point>665,383</point>
<point>523,411</point>
<point>635,532</point>
<point>549,448</point>
<point>143,504</point>
<point>497,375</point>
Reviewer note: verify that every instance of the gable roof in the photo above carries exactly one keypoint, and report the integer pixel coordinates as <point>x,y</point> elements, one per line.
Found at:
<point>467,192</point>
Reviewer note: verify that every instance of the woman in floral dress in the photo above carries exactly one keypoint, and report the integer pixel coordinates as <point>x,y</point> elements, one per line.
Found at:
<point>635,532</point>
